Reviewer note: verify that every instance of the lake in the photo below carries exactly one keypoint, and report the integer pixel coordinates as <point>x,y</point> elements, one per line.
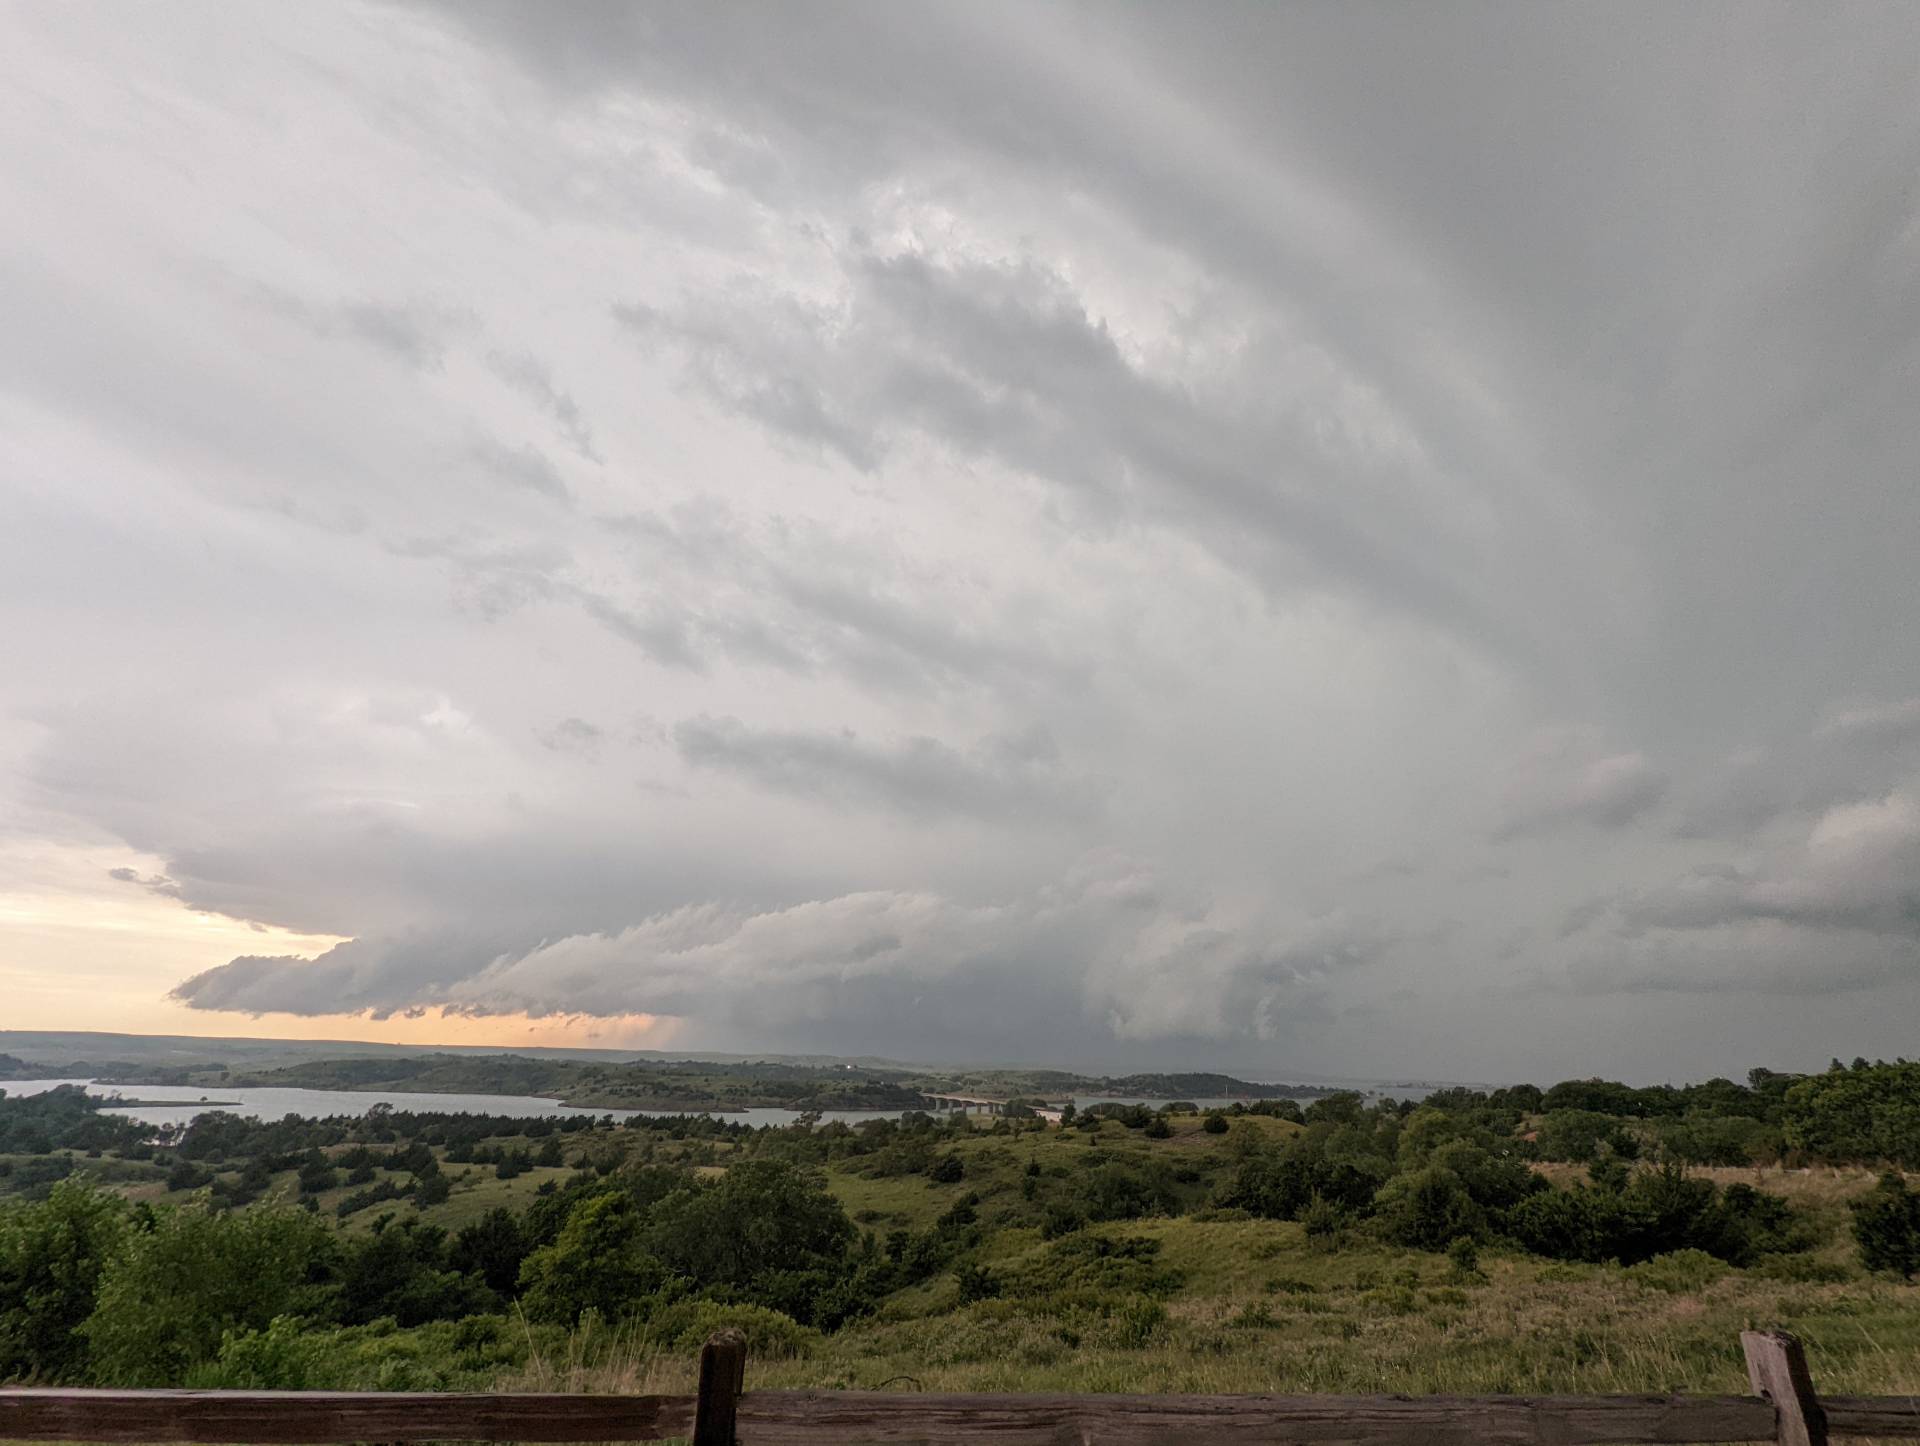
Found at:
<point>177,1104</point>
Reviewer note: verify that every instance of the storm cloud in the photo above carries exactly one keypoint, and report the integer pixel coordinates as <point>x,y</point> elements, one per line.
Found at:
<point>1293,539</point>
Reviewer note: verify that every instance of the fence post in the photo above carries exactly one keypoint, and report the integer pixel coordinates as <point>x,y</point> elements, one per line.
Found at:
<point>723,1375</point>
<point>1777,1368</point>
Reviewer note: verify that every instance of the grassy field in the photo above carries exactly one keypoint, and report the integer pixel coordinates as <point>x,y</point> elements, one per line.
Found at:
<point>1259,1308</point>
<point>1205,1301</point>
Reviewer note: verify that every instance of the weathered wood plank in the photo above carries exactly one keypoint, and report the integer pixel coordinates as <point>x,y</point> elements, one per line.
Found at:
<point>1777,1370</point>
<point>809,1418</point>
<point>336,1416</point>
<point>831,1418</point>
<point>1884,1416</point>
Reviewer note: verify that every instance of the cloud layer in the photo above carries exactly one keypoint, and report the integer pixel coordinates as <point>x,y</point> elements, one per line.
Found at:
<point>1323,540</point>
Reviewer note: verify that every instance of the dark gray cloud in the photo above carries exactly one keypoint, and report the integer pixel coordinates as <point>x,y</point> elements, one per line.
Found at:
<point>832,969</point>
<point>1010,776</point>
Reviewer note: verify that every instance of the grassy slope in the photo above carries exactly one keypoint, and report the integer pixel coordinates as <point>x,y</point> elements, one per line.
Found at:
<point>1259,1308</point>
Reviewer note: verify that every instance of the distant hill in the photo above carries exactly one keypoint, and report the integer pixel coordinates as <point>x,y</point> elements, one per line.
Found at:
<point>41,1048</point>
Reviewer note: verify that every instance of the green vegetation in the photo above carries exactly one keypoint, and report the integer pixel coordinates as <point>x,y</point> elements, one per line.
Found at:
<point>1240,1249</point>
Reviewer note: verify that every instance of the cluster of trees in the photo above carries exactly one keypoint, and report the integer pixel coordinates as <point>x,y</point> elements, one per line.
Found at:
<point>94,1288</point>
<point>68,1118</point>
<point>42,1137</point>
<point>1448,1171</point>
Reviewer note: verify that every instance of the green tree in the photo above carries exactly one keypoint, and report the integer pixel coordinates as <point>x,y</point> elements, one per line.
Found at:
<point>1867,1112</point>
<point>767,1231</point>
<point>492,1248</point>
<point>599,1262</point>
<point>401,1271</point>
<point>165,1301</point>
<point>1886,1226</point>
<point>52,1256</point>
<point>1428,1209</point>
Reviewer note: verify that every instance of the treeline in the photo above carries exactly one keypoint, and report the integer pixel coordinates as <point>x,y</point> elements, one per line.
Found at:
<point>692,1083</point>
<point>1863,1113</point>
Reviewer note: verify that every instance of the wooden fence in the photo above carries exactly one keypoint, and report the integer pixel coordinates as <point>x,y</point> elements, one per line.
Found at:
<point>1782,1408</point>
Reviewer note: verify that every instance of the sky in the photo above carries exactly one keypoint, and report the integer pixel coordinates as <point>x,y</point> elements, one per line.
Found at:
<point>1360,540</point>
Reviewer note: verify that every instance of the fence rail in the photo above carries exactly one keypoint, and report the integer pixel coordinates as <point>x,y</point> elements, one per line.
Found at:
<point>1784,1408</point>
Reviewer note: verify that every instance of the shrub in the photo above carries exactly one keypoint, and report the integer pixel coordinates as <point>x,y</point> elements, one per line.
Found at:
<point>770,1335</point>
<point>1427,1209</point>
<point>1578,1135</point>
<point>975,1282</point>
<point>1126,1264</point>
<point>1679,1272</point>
<point>1216,1124</point>
<point>1325,1223</point>
<point>1464,1256</point>
<point>279,1358</point>
<point>1137,1322</point>
<point>1060,1219</point>
<point>947,1170</point>
<point>1122,1192</point>
<point>1886,1226</point>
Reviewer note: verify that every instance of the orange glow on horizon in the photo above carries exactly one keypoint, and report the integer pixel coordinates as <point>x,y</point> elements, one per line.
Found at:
<point>437,1027</point>
<point>81,950</point>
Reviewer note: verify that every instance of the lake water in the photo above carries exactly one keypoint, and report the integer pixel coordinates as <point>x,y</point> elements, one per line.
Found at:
<point>177,1104</point>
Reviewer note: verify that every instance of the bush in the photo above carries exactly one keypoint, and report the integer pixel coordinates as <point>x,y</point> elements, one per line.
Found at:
<point>279,1358</point>
<point>1324,1222</point>
<point>1886,1226</point>
<point>1216,1124</point>
<point>947,1170</point>
<point>1137,1322</point>
<point>1060,1219</point>
<point>1464,1256</point>
<point>770,1335</point>
<point>1679,1272</point>
<point>1578,1135</point>
<point>1427,1209</point>
<point>975,1282</point>
<point>1121,1192</point>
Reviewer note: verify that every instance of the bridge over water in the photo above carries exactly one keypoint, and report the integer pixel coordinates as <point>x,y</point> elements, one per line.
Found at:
<point>985,1105</point>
